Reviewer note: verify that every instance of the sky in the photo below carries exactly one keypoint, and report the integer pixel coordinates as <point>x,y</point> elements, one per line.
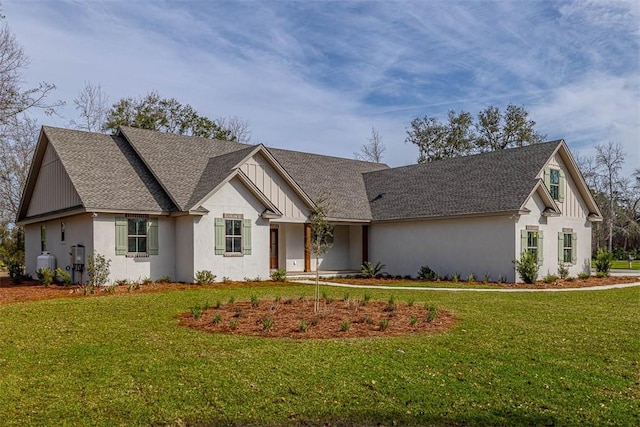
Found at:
<point>318,75</point>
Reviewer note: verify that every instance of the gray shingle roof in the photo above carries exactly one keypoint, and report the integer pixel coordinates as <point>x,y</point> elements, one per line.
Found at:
<point>498,181</point>
<point>340,180</point>
<point>106,173</point>
<point>179,161</point>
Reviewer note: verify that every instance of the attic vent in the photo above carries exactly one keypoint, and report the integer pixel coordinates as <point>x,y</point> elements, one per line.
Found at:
<point>378,197</point>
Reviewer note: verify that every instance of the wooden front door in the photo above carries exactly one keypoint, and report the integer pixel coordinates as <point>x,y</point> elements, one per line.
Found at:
<point>273,249</point>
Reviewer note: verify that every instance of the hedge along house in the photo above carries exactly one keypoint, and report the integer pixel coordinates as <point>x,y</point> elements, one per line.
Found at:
<point>168,205</point>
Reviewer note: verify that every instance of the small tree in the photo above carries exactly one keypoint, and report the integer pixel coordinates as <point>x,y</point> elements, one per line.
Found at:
<point>321,240</point>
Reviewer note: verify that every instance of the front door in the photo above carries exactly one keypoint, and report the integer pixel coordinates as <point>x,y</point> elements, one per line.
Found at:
<point>273,249</point>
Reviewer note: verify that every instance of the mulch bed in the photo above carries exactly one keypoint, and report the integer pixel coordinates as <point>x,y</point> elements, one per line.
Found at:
<point>334,319</point>
<point>558,284</point>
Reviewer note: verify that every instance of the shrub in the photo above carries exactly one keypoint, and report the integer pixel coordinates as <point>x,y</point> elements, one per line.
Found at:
<point>604,259</point>
<point>45,276</point>
<point>426,273</point>
<point>204,277</point>
<point>410,302</point>
<point>433,313</point>
<point>527,267</point>
<point>267,323</point>
<point>372,270</point>
<point>550,278</point>
<point>563,271</point>
<point>62,276</point>
<point>413,321</point>
<point>486,278</point>
<point>147,281</point>
<point>164,279</point>
<point>16,271</point>
<point>303,326</point>
<point>502,279</point>
<point>314,321</point>
<point>344,326</point>
<point>254,301</point>
<point>217,319</point>
<point>384,324</point>
<point>233,323</point>
<point>455,277</point>
<point>216,304</point>
<point>583,275</point>
<point>98,269</point>
<point>279,275</point>
<point>471,278</point>
<point>123,282</point>
<point>196,311</point>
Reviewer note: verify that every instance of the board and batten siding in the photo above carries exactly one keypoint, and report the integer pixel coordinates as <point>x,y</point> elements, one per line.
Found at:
<point>53,190</point>
<point>572,206</point>
<point>272,185</point>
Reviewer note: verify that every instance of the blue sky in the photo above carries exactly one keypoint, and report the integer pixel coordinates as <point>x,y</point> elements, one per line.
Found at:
<point>316,76</point>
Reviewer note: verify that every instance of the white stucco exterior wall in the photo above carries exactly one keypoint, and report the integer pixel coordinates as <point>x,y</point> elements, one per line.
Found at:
<point>130,268</point>
<point>463,246</point>
<point>551,226</point>
<point>78,231</point>
<point>184,226</point>
<point>232,198</point>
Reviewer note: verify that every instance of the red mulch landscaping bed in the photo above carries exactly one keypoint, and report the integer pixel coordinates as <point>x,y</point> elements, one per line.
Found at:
<point>334,319</point>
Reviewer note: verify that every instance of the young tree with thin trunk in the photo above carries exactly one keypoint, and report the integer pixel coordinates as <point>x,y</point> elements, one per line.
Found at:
<point>321,240</point>
<point>610,159</point>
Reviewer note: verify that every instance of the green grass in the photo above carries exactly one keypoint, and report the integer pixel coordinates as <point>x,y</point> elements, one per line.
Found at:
<point>513,359</point>
<point>621,265</point>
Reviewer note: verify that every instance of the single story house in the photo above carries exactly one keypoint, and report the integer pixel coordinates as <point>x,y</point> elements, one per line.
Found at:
<point>159,204</point>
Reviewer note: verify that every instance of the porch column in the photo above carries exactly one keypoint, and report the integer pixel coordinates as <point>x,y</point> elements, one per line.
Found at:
<point>307,247</point>
<point>365,243</point>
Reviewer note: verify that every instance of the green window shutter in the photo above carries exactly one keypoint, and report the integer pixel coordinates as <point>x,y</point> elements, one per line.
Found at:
<point>152,236</point>
<point>547,178</point>
<point>121,235</point>
<point>574,248</point>
<point>560,247</point>
<point>561,187</point>
<point>540,247</point>
<point>246,236</point>
<point>219,236</point>
<point>523,241</point>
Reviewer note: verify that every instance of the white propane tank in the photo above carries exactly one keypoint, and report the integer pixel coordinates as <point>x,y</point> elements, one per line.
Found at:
<point>46,260</point>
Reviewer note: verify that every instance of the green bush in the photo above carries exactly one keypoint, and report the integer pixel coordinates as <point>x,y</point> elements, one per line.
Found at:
<point>563,271</point>
<point>62,276</point>
<point>550,278</point>
<point>45,276</point>
<point>16,271</point>
<point>98,269</point>
<point>426,273</point>
<point>583,275</point>
<point>164,279</point>
<point>604,259</point>
<point>433,313</point>
<point>279,275</point>
<point>527,267</point>
<point>204,277</point>
<point>344,326</point>
<point>372,270</point>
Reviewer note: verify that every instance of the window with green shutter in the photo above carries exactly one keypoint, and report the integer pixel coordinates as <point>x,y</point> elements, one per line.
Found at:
<point>136,235</point>
<point>554,180</point>
<point>531,241</point>
<point>232,235</point>
<point>567,247</point>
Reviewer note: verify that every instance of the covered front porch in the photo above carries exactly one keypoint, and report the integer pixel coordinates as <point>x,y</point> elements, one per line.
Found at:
<point>288,249</point>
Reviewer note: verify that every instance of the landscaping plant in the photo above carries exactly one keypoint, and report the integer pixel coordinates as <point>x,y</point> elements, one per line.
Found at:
<point>604,259</point>
<point>98,269</point>
<point>204,277</point>
<point>527,267</point>
<point>45,276</point>
<point>279,275</point>
<point>372,271</point>
<point>426,273</point>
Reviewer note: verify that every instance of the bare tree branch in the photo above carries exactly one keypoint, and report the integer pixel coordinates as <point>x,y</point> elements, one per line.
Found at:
<point>373,150</point>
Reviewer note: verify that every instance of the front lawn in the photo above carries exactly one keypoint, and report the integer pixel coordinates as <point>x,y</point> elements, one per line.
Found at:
<point>512,359</point>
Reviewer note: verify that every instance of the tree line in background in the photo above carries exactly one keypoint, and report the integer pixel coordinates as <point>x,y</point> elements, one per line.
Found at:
<point>492,129</point>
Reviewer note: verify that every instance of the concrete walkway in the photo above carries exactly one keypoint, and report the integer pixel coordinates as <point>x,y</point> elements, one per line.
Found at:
<point>416,288</point>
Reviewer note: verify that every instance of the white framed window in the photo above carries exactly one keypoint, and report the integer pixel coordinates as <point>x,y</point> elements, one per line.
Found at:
<point>567,246</point>
<point>232,235</point>
<point>554,183</point>
<point>531,240</point>
<point>136,235</point>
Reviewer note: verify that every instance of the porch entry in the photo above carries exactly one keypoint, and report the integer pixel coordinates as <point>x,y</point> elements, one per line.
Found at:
<point>273,249</point>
